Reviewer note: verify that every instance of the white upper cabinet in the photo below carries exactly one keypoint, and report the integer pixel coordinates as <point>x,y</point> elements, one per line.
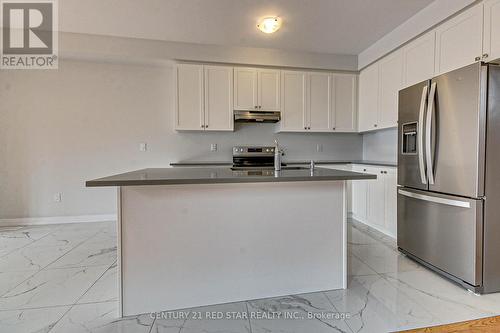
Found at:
<point>256,89</point>
<point>418,59</point>
<point>344,105</point>
<point>293,101</point>
<point>459,41</point>
<point>204,97</point>
<point>318,102</point>
<point>218,98</point>
<point>390,82</point>
<point>269,89</point>
<point>245,89</point>
<point>368,98</point>
<point>319,115</point>
<point>491,44</point>
<point>189,97</point>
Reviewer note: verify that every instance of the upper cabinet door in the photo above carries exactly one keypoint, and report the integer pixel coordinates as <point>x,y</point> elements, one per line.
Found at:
<point>418,59</point>
<point>245,89</point>
<point>189,97</point>
<point>269,90</point>
<point>293,101</point>
<point>491,45</point>
<point>390,82</point>
<point>368,98</point>
<point>218,98</point>
<point>319,102</point>
<point>459,41</point>
<point>344,102</point>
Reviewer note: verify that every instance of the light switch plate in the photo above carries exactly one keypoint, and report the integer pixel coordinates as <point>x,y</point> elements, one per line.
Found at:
<point>213,147</point>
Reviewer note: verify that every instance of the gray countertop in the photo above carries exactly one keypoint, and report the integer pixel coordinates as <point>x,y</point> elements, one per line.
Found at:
<point>205,175</point>
<point>224,163</point>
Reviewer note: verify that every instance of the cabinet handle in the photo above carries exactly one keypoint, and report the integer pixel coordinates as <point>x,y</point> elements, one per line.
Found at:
<point>374,125</point>
<point>485,55</point>
<point>477,58</point>
<point>333,128</point>
<point>260,106</point>
<point>202,126</point>
<point>256,106</point>
<point>206,126</point>
<point>305,127</point>
<point>364,170</point>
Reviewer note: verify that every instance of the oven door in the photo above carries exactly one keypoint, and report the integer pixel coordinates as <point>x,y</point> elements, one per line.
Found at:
<point>253,161</point>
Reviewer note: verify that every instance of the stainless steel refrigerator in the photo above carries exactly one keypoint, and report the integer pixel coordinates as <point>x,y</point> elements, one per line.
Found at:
<point>449,175</point>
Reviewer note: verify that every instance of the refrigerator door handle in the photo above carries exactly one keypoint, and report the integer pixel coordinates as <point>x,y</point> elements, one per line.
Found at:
<point>420,136</point>
<point>444,201</point>
<point>428,134</point>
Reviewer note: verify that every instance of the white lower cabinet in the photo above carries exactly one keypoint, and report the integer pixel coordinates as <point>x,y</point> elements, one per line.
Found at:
<point>391,201</point>
<point>374,202</point>
<point>376,205</point>
<point>359,196</point>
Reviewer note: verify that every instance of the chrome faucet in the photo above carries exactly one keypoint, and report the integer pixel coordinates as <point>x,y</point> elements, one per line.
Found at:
<point>277,156</point>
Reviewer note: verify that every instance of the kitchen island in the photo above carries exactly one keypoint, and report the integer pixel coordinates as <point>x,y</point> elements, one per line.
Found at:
<point>198,236</point>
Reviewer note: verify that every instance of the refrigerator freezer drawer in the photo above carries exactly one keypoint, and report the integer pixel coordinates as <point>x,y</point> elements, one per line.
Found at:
<point>442,230</point>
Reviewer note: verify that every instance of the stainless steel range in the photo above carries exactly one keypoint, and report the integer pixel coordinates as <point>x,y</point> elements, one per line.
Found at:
<point>257,161</point>
<point>253,157</point>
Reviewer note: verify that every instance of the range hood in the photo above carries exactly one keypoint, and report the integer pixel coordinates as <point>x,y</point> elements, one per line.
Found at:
<point>257,116</point>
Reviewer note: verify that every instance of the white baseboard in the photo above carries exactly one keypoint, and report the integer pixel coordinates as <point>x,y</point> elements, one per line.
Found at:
<point>57,219</point>
<point>373,226</point>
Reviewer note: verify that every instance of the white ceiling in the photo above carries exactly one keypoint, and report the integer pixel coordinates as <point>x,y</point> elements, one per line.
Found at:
<point>325,26</point>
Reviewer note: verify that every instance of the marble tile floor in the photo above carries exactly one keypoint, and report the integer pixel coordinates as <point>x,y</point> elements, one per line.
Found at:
<point>63,278</point>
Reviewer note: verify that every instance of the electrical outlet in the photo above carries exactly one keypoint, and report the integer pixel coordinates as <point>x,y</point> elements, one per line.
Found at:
<point>143,146</point>
<point>57,197</point>
<point>319,147</point>
<point>213,147</point>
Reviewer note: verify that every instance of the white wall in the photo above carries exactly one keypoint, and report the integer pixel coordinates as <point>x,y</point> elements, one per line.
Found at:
<point>420,23</point>
<point>381,145</point>
<point>59,128</point>
<point>120,49</point>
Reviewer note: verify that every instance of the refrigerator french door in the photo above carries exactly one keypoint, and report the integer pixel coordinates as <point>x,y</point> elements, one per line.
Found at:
<point>441,164</point>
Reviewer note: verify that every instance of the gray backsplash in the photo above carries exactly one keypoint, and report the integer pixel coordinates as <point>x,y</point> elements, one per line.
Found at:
<point>298,146</point>
<point>381,145</point>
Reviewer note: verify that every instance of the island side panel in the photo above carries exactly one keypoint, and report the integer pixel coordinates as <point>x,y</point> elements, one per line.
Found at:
<point>192,245</point>
<point>119,250</point>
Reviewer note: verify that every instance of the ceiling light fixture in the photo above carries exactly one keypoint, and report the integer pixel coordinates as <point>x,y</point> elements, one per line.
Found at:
<point>269,25</point>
